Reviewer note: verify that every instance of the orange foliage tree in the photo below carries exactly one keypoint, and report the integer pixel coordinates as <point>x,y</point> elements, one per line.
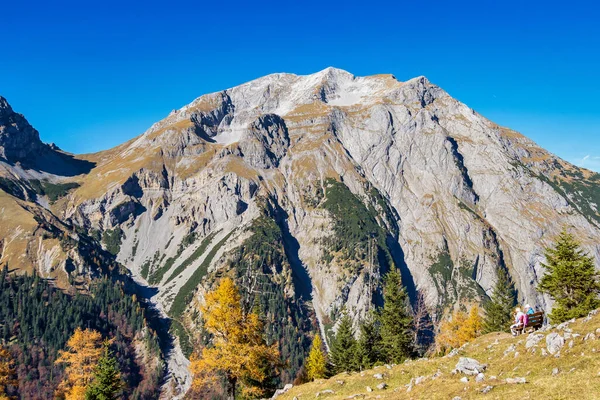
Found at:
<point>239,350</point>
<point>7,373</point>
<point>459,329</point>
<point>84,349</point>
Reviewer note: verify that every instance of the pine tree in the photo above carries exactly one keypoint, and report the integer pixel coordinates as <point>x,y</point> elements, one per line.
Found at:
<point>107,383</point>
<point>498,310</point>
<point>396,321</point>
<point>344,346</point>
<point>316,363</point>
<point>368,345</point>
<point>571,280</point>
<point>239,351</point>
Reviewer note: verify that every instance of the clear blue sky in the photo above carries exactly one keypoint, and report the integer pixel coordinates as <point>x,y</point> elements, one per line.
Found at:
<point>89,77</point>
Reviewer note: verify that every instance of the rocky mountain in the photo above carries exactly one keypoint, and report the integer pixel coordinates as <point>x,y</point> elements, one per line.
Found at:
<point>306,189</point>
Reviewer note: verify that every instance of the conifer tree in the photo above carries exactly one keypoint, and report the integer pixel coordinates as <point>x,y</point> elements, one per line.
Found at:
<point>368,345</point>
<point>7,373</point>
<point>571,279</point>
<point>396,321</point>
<point>316,363</point>
<point>499,308</point>
<point>107,383</point>
<point>239,351</point>
<point>344,346</point>
<point>84,349</point>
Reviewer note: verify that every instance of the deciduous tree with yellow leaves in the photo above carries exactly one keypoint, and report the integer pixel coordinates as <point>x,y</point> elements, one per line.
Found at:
<point>459,329</point>
<point>84,349</point>
<point>316,363</point>
<point>7,373</point>
<point>239,351</point>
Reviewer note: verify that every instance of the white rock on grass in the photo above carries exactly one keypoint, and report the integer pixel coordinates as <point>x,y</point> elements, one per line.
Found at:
<point>554,342</point>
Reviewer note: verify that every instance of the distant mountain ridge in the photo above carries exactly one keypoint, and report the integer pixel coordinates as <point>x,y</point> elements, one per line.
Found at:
<point>343,176</point>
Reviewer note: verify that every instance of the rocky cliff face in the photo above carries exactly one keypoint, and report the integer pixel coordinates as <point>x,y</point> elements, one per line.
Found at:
<point>308,188</point>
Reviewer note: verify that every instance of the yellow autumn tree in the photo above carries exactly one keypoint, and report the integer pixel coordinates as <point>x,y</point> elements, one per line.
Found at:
<point>84,349</point>
<point>459,329</point>
<point>316,364</point>
<point>7,373</point>
<point>239,351</point>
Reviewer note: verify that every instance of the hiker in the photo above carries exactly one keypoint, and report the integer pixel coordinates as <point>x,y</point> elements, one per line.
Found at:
<point>520,322</point>
<point>529,310</point>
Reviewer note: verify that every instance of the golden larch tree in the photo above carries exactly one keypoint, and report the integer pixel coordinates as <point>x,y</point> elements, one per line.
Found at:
<point>7,373</point>
<point>316,363</point>
<point>239,351</point>
<point>459,329</point>
<point>84,349</point>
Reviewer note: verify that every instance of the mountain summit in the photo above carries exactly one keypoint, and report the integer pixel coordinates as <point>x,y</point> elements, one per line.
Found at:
<point>306,189</point>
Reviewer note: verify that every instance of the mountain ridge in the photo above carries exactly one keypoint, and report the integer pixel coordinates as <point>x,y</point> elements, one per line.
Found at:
<point>343,167</point>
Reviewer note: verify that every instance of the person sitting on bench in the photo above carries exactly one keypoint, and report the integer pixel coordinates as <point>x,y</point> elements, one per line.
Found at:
<point>520,322</point>
<point>529,310</point>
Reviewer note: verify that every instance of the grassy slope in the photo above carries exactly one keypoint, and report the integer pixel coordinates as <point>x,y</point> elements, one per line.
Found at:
<point>581,383</point>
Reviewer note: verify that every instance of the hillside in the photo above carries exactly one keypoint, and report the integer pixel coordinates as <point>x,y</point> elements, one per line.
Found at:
<point>305,189</point>
<point>571,372</point>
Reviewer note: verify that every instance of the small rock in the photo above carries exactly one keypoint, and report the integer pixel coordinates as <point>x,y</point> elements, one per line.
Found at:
<point>388,366</point>
<point>567,335</point>
<point>419,380</point>
<point>510,349</point>
<point>378,376</point>
<point>589,336</point>
<point>493,377</point>
<point>555,371</point>
<point>437,374</point>
<point>516,354</point>
<point>544,353</point>
<point>469,366</point>
<point>533,339</point>
<point>453,352</point>
<point>480,377</point>
<point>382,386</point>
<point>456,398</point>
<point>571,343</point>
<point>516,380</point>
<point>369,389</point>
<point>340,382</point>
<point>571,370</point>
<point>554,342</point>
<point>486,389</point>
<point>464,379</point>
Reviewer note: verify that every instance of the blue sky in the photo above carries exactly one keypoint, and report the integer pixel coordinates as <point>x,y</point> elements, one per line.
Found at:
<point>89,77</point>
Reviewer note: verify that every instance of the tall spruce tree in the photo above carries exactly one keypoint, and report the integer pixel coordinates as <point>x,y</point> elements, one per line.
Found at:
<point>107,383</point>
<point>571,279</point>
<point>396,321</point>
<point>499,308</point>
<point>344,346</point>
<point>368,345</point>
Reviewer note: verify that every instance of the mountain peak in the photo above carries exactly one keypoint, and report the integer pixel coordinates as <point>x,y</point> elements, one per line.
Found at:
<point>5,108</point>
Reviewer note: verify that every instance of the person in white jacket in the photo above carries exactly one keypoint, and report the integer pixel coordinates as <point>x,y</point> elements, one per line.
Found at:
<point>519,322</point>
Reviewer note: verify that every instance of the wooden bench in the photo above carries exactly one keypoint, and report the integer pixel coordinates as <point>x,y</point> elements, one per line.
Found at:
<point>535,322</point>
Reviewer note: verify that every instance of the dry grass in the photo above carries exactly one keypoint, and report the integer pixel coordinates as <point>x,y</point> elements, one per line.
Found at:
<point>578,377</point>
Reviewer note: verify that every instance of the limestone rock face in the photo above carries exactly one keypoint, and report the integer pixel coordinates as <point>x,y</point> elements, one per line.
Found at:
<point>344,176</point>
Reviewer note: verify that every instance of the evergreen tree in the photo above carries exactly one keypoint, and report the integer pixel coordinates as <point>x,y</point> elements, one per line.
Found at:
<point>344,346</point>
<point>571,280</point>
<point>316,363</point>
<point>107,383</point>
<point>396,321</point>
<point>368,345</point>
<point>498,310</point>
